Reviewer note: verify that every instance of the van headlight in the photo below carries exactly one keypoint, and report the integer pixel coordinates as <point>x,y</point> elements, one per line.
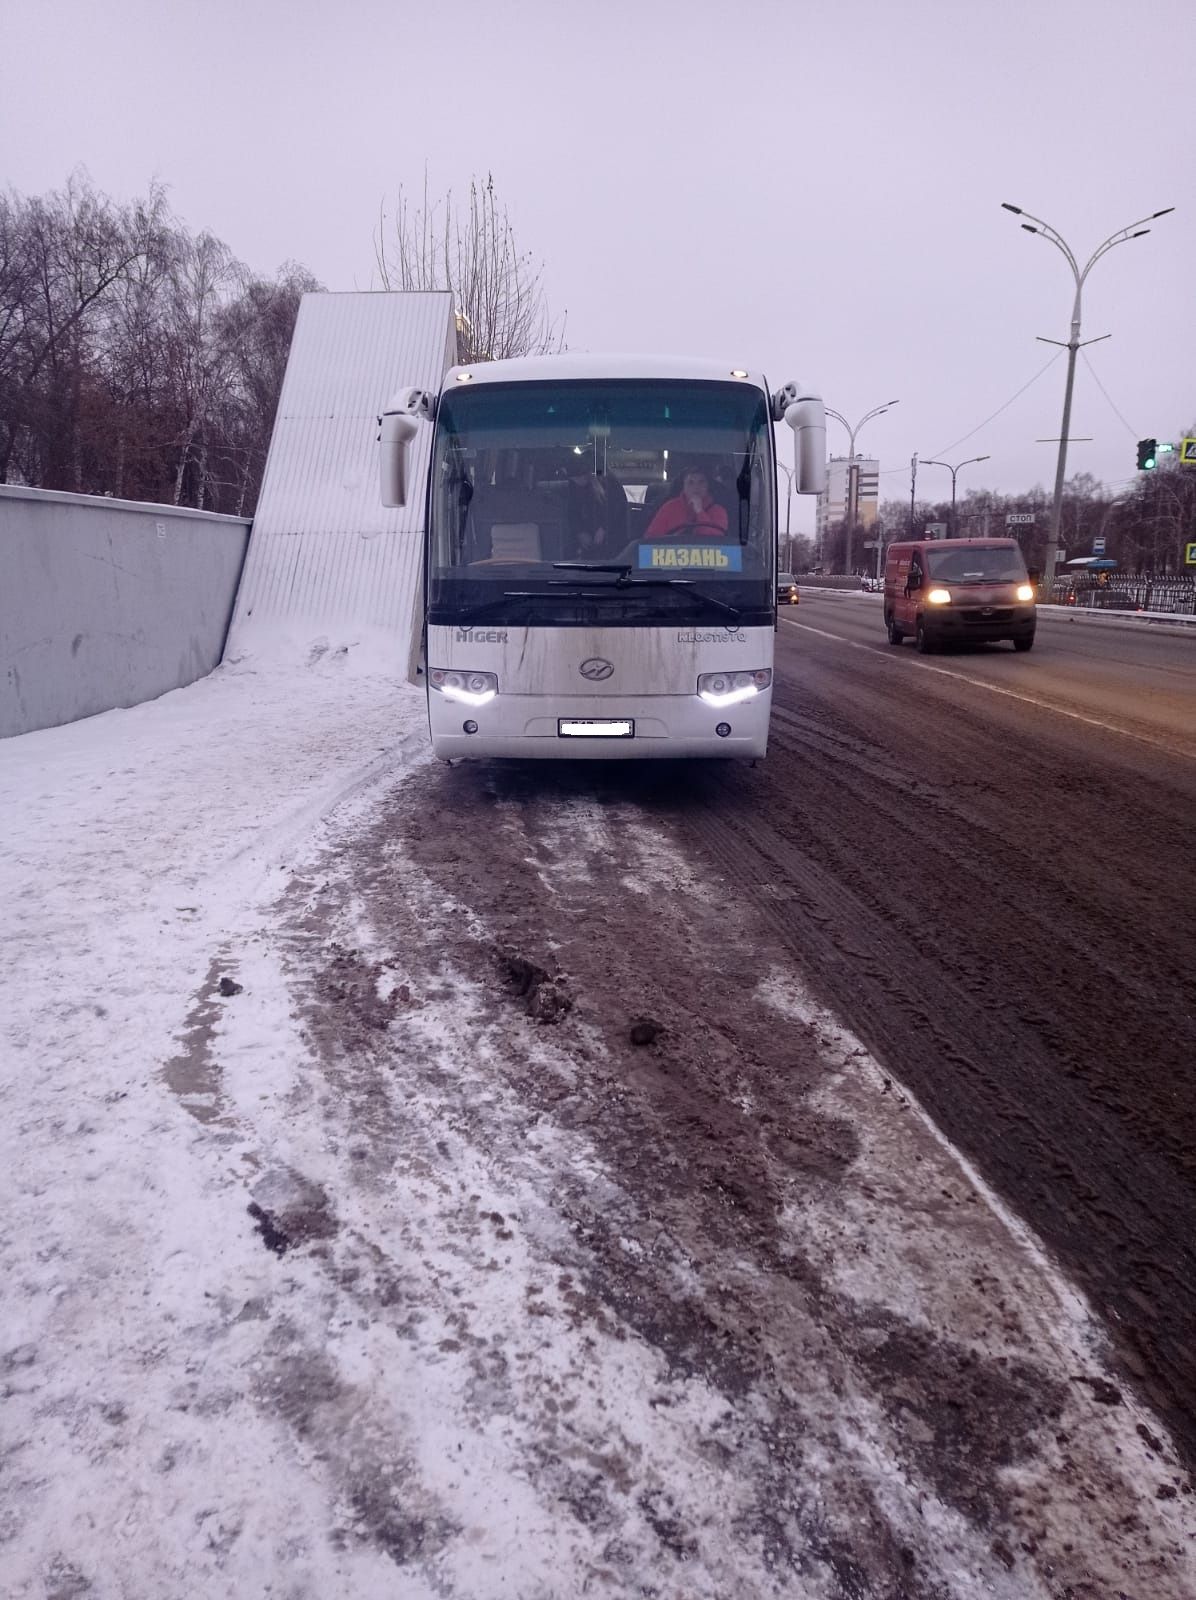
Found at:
<point>469,688</point>
<point>939,597</point>
<point>1025,591</point>
<point>729,688</point>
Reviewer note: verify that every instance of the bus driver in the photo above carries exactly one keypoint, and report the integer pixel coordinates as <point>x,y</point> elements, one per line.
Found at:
<point>694,510</point>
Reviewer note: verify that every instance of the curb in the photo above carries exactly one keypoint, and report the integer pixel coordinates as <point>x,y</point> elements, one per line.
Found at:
<point>1180,621</point>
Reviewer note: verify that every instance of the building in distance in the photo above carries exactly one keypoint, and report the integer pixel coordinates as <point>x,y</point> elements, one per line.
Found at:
<point>832,503</point>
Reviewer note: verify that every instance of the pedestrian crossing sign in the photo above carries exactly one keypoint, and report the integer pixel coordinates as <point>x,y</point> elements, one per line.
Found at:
<point>1190,554</point>
<point>1187,452</point>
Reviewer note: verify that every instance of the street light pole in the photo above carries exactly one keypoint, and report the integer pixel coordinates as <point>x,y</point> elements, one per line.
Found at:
<point>1134,230</point>
<point>788,471</point>
<point>852,507</point>
<point>927,461</point>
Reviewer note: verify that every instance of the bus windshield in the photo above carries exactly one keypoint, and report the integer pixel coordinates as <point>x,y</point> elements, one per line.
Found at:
<point>618,502</point>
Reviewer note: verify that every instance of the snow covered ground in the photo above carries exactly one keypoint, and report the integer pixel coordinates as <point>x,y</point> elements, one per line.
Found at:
<point>137,846</point>
<point>302,1267</point>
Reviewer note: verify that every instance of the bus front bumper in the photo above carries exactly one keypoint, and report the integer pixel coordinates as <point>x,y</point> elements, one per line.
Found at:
<point>536,727</point>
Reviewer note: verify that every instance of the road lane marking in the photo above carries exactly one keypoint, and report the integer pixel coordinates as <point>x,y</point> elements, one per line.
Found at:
<point>993,688</point>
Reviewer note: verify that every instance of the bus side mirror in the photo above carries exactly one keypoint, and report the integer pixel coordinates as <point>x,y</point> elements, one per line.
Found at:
<point>398,428</point>
<point>807,418</point>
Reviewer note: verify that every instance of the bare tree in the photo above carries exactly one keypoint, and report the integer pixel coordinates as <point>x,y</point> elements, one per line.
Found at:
<point>256,330</point>
<point>17,286</point>
<point>497,290</point>
<point>63,254</point>
<point>133,383</point>
<point>203,277</point>
<point>136,358</point>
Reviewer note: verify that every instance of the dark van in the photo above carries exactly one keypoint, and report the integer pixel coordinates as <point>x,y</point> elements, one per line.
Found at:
<point>943,590</point>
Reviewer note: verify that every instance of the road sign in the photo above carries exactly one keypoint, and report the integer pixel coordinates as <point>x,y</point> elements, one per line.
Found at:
<point>1015,519</point>
<point>872,544</point>
<point>936,530</point>
<point>1190,554</point>
<point>1187,452</point>
<point>1098,545</point>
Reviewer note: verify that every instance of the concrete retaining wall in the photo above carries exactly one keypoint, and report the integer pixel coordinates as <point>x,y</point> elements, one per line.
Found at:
<point>107,602</point>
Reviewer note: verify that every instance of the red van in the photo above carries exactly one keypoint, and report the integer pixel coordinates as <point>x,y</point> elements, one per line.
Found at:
<point>940,590</point>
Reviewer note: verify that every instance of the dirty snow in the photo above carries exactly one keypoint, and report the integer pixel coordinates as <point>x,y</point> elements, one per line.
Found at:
<point>274,1323</point>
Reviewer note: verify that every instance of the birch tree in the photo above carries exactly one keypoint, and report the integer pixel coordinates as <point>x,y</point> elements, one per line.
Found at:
<point>469,248</point>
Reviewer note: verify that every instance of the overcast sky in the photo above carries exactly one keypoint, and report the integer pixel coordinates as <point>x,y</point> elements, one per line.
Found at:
<point>809,189</point>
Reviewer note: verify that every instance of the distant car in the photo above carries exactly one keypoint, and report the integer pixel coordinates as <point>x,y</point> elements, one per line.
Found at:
<point>787,594</point>
<point>872,585</point>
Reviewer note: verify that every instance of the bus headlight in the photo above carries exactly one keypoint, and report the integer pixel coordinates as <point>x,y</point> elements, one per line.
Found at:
<point>1025,591</point>
<point>939,597</point>
<point>468,688</point>
<point>729,688</point>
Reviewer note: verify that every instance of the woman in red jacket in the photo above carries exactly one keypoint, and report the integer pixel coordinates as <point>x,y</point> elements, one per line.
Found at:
<point>693,511</point>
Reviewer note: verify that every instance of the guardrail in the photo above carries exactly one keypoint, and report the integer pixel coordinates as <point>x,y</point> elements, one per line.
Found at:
<point>1186,621</point>
<point>1172,593</point>
<point>810,580</point>
<point>1183,622</point>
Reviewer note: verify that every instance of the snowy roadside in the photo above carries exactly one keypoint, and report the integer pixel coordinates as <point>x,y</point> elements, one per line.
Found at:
<point>136,845</point>
<point>519,1309</point>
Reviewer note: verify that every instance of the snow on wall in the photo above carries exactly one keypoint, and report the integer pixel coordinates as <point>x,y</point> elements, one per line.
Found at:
<point>106,603</point>
<point>327,561</point>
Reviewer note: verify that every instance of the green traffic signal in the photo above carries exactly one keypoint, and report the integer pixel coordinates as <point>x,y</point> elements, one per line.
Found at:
<point>1147,454</point>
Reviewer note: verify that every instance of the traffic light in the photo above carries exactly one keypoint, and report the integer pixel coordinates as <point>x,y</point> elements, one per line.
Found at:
<point>1148,450</point>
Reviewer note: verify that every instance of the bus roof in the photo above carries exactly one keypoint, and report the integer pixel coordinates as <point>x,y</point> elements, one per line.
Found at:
<point>569,367</point>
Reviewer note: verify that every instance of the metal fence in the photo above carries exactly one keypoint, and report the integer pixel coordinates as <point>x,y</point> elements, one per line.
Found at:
<point>1172,592</point>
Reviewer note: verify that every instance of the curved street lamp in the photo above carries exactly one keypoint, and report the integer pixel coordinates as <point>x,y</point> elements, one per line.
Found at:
<point>789,472</point>
<point>1134,230</point>
<point>853,478</point>
<point>927,461</point>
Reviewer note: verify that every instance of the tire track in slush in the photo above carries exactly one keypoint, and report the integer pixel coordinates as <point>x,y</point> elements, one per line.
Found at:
<point>952,1002</point>
<point>713,1145</point>
<point>978,852</point>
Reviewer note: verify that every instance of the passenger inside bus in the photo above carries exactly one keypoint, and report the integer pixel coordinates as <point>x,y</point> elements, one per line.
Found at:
<point>597,511</point>
<point>693,510</point>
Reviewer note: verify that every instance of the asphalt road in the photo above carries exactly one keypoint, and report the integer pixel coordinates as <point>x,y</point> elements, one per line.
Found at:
<point>1131,678</point>
<point>986,862</point>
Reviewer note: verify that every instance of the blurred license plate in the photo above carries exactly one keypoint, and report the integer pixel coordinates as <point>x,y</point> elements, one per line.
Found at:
<point>595,728</point>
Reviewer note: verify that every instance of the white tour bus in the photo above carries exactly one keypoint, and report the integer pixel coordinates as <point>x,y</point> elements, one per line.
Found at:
<point>600,566</point>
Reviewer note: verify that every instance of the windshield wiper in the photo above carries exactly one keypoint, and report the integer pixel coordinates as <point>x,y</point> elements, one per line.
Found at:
<point>496,605</point>
<point>601,592</point>
<point>623,569</point>
<point>625,581</point>
<point>686,583</point>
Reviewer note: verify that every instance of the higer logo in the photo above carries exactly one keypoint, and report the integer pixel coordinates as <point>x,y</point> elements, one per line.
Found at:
<point>597,669</point>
